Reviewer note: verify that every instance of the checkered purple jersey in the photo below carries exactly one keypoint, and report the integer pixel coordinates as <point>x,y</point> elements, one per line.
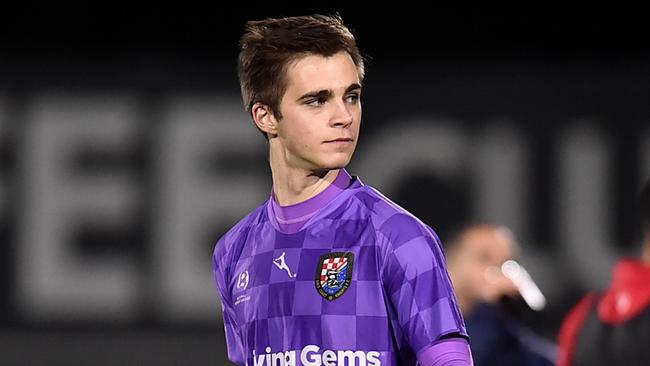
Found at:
<point>363,282</point>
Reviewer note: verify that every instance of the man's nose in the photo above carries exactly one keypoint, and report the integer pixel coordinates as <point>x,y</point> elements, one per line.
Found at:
<point>342,116</point>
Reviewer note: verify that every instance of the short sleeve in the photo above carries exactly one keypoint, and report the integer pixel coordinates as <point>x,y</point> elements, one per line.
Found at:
<point>415,277</point>
<point>233,337</point>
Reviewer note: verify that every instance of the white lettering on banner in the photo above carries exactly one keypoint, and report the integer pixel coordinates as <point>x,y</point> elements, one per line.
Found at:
<point>311,356</point>
<point>584,204</point>
<point>495,158</point>
<point>53,280</point>
<point>195,129</point>
<point>500,172</point>
<point>499,167</point>
<point>420,143</point>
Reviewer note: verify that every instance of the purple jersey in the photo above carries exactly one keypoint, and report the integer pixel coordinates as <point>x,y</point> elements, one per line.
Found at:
<point>363,282</point>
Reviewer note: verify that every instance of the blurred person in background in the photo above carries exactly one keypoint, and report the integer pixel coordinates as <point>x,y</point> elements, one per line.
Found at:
<point>479,257</point>
<point>612,327</point>
<point>327,270</point>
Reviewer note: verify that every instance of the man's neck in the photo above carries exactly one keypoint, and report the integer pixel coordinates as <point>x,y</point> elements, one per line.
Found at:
<point>291,187</point>
<point>294,185</point>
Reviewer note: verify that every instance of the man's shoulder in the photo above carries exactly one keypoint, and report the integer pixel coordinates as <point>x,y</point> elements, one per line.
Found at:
<point>387,216</point>
<point>237,235</point>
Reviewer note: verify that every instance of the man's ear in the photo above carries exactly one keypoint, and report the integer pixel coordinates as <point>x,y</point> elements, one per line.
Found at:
<point>264,119</point>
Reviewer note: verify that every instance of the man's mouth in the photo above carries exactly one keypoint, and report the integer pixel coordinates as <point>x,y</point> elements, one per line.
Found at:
<point>342,140</point>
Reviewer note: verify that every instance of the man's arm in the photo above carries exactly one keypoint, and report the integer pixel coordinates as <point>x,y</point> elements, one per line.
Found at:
<point>450,352</point>
<point>415,277</point>
<point>233,340</point>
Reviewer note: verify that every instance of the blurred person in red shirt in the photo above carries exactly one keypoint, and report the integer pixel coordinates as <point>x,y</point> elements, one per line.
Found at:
<point>613,327</point>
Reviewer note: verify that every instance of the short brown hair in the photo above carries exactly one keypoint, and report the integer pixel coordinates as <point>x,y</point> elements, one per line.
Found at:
<point>269,46</point>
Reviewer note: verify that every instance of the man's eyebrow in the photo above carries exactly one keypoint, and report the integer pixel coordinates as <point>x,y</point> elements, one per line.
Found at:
<point>353,87</point>
<point>326,93</point>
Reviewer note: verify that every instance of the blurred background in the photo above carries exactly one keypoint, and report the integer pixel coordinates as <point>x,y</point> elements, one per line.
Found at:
<point>125,153</point>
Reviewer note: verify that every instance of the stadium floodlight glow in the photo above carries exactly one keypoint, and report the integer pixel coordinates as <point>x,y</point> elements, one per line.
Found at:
<point>531,294</point>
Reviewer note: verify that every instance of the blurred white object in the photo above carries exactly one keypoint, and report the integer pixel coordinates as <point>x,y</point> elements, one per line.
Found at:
<point>527,287</point>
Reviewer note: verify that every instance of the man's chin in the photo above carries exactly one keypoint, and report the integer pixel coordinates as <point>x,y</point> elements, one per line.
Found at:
<point>332,163</point>
<point>336,165</point>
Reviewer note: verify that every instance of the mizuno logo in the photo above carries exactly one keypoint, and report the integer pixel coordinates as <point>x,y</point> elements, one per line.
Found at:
<point>282,265</point>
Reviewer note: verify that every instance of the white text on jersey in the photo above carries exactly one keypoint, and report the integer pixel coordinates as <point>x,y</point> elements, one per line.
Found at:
<point>312,356</point>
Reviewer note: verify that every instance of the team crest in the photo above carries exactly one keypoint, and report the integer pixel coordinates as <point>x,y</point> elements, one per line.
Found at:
<point>334,274</point>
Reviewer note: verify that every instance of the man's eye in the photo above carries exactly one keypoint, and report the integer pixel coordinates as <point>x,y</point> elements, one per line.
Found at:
<point>316,102</point>
<point>352,98</point>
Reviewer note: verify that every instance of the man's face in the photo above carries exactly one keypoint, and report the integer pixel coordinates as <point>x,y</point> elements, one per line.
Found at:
<point>321,112</point>
<point>482,252</point>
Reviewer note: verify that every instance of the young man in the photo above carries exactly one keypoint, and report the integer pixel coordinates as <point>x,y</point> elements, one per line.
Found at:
<point>613,327</point>
<point>328,271</point>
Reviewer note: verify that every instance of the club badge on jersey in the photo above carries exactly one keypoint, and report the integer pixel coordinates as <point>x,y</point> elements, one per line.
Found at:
<point>334,274</point>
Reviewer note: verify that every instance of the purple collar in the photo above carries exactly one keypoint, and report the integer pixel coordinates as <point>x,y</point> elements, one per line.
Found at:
<point>292,217</point>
